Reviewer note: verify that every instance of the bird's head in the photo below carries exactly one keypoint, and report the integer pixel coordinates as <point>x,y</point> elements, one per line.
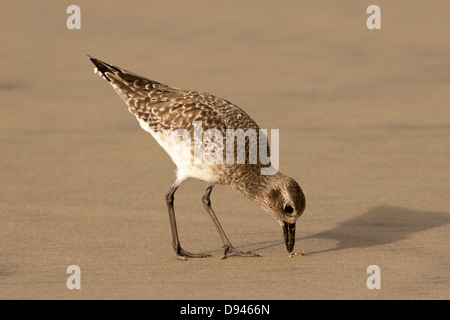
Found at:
<point>284,200</point>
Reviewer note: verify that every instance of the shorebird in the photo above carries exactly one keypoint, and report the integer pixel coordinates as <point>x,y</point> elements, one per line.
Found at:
<point>161,110</point>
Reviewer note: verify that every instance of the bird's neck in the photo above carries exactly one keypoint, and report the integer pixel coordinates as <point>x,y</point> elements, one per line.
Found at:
<point>259,187</point>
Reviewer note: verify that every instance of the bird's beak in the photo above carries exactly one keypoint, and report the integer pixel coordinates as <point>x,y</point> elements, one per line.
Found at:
<point>289,235</point>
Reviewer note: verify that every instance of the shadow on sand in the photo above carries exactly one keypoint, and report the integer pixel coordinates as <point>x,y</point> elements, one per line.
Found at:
<point>378,226</point>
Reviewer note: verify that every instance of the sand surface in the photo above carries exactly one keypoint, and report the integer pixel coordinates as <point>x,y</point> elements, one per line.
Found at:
<point>364,120</point>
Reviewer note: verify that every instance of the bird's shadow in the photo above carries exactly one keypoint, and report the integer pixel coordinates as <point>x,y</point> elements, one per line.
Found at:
<point>379,226</point>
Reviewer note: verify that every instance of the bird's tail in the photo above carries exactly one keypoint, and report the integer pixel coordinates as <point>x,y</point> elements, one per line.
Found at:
<point>102,68</point>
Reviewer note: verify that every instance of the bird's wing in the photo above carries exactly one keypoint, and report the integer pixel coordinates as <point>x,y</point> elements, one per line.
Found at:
<point>169,108</point>
<point>165,107</point>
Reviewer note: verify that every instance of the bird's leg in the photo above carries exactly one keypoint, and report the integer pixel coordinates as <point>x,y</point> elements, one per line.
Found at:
<point>180,252</point>
<point>229,250</point>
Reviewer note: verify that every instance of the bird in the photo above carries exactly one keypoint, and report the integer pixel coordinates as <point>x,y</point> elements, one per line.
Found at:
<point>162,110</point>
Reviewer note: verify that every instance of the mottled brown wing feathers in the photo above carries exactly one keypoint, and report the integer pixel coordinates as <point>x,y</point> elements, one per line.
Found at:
<point>170,108</point>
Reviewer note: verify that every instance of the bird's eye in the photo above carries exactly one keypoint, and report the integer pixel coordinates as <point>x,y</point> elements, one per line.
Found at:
<point>288,208</point>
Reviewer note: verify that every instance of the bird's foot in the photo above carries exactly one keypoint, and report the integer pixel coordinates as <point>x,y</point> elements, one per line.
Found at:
<point>230,251</point>
<point>184,255</point>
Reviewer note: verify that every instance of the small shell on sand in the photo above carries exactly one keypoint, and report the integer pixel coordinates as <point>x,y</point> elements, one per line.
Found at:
<point>293,254</point>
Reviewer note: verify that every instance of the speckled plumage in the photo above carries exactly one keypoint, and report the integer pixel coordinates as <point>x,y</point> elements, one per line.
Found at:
<point>161,109</point>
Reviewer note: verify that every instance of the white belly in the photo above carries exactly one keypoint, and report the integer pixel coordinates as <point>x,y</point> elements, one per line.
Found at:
<point>181,155</point>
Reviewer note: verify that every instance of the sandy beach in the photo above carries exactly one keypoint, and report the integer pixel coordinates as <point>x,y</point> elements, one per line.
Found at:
<point>364,122</point>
